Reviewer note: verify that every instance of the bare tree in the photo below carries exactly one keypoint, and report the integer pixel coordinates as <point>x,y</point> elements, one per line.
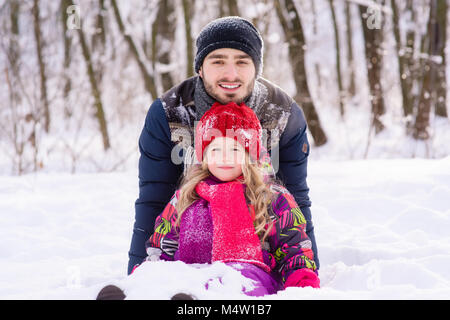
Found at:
<point>163,35</point>
<point>19,114</point>
<point>99,36</point>
<point>439,45</point>
<point>315,33</point>
<point>350,56</point>
<point>21,130</point>
<point>262,22</point>
<point>293,31</point>
<point>13,51</point>
<point>67,40</point>
<point>430,92</point>
<point>406,58</point>
<point>373,38</point>
<point>148,78</point>
<point>42,68</point>
<point>187,14</point>
<point>99,40</point>
<point>100,113</point>
<point>228,8</point>
<point>338,57</point>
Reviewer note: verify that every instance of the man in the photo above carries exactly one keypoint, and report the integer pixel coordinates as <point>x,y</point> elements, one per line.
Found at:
<point>229,65</point>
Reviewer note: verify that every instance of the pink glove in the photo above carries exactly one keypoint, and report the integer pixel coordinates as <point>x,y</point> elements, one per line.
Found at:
<point>303,278</point>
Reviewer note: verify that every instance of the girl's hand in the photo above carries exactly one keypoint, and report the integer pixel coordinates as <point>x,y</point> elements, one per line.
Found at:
<point>153,254</point>
<point>303,278</point>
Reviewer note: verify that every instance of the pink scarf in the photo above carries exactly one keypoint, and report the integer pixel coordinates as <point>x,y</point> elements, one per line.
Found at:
<point>234,237</point>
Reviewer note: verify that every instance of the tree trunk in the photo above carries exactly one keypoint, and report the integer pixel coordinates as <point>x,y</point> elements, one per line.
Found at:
<point>42,69</point>
<point>99,37</point>
<point>187,13</point>
<point>67,39</point>
<point>338,57</point>
<point>429,90</point>
<point>441,37</point>
<point>148,79</point>
<point>100,114</point>
<point>228,8</point>
<point>406,61</point>
<point>316,64</point>
<point>16,127</point>
<point>99,41</point>
<point>163,35</point>
<point>15,133</point>
<point>351,63</point>
<point>372,43</point>
<point>290,21</point>
<point>14,50</point>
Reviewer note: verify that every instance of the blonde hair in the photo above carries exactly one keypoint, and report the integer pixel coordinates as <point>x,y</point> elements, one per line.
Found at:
<point>257,192</point>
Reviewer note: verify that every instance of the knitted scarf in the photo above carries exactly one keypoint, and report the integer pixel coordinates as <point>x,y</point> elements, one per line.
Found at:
<point>203,101</point>
<point>234,237</point>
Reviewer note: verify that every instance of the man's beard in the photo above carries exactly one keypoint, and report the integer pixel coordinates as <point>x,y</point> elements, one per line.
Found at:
<point>230,97</point>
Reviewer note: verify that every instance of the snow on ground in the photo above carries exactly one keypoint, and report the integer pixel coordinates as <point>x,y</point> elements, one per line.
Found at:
<point>382,228</point>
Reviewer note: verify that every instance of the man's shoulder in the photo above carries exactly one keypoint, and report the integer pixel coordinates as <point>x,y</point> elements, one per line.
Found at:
<point>275,94</point>
<point>273,108</point>
<point>178,102</point>
<point>182,93</point>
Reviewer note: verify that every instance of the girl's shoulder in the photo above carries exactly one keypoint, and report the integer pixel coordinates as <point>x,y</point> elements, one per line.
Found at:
<point>170,212</point>
<point>282,199</point>
<point>174,199</point>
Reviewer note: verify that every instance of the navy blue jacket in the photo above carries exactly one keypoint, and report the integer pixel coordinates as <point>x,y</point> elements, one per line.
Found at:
<point>159,176</point>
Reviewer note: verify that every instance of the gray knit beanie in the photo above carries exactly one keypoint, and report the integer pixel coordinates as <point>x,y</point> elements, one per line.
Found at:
<point>230,32</point>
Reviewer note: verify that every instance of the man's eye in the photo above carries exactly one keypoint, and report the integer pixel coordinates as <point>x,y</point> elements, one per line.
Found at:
<point>242,62</point>
<point>217,62</point>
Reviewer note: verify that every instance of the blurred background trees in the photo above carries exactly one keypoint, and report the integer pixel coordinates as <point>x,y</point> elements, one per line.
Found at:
<point>77,77</point>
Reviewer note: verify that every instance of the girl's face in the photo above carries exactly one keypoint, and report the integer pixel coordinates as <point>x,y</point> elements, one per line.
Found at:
<point>225,157</point>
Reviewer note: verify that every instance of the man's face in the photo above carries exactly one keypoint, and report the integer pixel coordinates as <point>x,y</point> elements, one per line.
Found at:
<point>228,75</point>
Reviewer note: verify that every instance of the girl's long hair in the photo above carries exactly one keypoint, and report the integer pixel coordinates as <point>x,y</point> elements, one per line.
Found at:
<point>257,192</point>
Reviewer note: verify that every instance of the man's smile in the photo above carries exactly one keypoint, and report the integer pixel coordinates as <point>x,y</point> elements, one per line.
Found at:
<point>229,87</point>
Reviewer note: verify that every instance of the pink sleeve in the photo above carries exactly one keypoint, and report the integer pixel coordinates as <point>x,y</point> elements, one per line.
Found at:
<point>303,278</point>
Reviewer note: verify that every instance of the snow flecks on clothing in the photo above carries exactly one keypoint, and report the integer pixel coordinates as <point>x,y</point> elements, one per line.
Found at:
<point>196,232</point>
<point>258,99</point>
<point>183,114</point>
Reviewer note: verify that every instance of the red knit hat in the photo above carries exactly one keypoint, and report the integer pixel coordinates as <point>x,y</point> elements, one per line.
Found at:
<point>238,122</point>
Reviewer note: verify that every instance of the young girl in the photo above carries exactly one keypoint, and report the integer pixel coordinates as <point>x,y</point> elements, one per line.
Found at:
<point>227,211</point>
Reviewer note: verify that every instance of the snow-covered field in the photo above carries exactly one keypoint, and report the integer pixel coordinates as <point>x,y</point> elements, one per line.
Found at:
<point>382,228</point>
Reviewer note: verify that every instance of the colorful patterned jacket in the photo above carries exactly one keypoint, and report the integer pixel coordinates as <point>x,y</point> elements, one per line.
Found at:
<point>286,249</point>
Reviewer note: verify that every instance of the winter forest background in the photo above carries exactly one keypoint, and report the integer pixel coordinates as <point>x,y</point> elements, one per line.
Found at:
<point>78,77</point>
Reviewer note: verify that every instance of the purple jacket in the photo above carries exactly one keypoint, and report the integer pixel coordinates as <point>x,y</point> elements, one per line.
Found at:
<point>286,249</point>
